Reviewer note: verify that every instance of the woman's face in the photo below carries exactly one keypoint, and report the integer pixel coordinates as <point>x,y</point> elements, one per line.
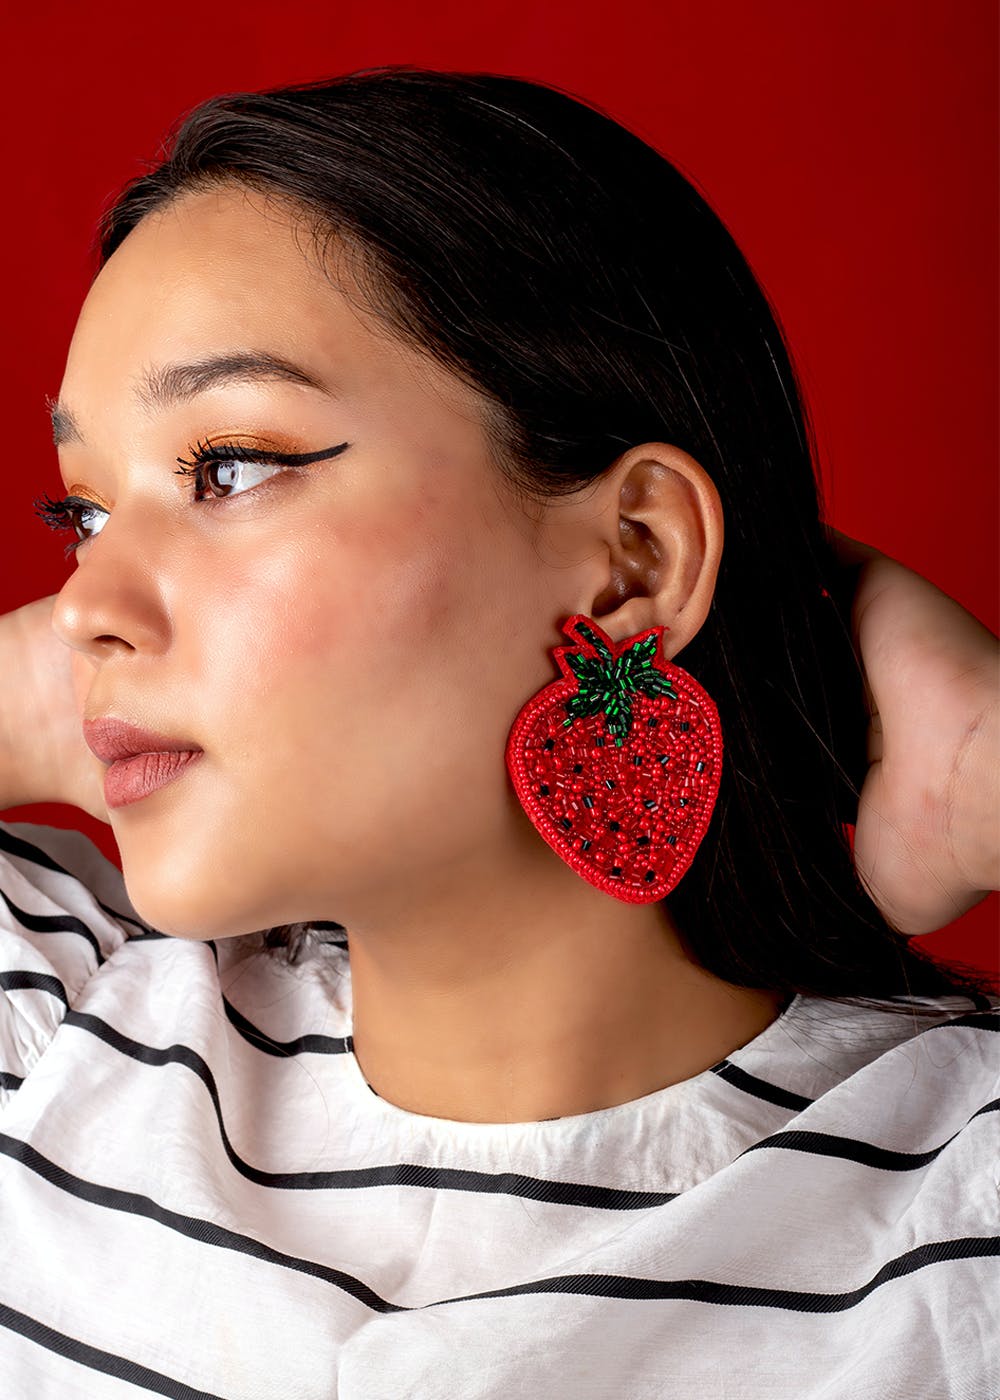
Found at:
<point>349,642</point>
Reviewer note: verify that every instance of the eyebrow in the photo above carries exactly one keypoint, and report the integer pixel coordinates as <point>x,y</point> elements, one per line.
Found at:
<point>163,386</point>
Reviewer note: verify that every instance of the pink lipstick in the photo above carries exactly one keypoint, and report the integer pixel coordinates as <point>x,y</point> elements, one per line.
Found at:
<point>129,779</point>
<point>141,760</point>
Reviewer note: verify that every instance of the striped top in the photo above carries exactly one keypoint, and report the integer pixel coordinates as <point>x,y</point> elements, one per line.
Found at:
<point>201,1196</point>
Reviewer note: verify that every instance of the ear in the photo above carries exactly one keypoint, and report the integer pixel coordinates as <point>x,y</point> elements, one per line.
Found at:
<point>658,515</point>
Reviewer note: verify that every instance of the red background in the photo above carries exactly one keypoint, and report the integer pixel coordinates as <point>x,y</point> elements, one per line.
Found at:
<point>850,146</point>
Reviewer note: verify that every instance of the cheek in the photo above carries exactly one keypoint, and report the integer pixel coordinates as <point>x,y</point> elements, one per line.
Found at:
<point>370,653</point>
<point>379,601</point>
<point>337,622</point>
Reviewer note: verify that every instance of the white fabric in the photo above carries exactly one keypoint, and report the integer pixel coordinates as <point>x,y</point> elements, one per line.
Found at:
<point>201,1196</point>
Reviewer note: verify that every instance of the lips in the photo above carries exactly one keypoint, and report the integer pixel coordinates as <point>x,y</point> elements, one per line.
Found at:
<point>112,739</point>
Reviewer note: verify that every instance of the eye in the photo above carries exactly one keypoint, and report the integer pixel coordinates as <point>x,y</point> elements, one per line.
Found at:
<point>230,460</point>
<point>228,471</point>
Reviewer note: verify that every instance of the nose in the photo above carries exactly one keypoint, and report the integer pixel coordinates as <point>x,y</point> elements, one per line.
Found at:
<point>91,625</point>
<point>111,602</point>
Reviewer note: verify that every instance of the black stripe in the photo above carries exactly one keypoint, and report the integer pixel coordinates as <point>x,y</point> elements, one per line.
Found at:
<point>202,1231</point>
<point>981,1001</point>
<point>54,923</point>
<point>148,934</point>
<point>699,1290</point>
<point>311,1044</point>
<point>97,1360</point>
<point>760,1088</point>
<point>15,980</point>
<point>39,981</point>
<point>987,1020</point>
<point>867,1153</point>
<point>24,850</point>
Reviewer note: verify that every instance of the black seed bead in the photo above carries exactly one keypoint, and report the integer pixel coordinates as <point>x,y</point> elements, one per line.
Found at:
<point>653,722</point>
<point>637,760</point>
<point>609,782</point>
<point>698,767</point>
<point>614,826</point>
<point>600,743</point>
<point>586,845</point>
<point>642,841</point>
<point>685,726</point>
<point>649,876</point>
<point>577,767</point>
<point>671,840</point>
<point>650,802</point>
<point>683,802</point>
<point>616,870</point>
<point>543,791</point>
<point>661,758</point>
<point>565,822</point>
<point>588,802</point>
<point>549,744</point>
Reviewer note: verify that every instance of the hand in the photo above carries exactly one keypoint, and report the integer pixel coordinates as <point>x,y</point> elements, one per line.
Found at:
<point>48,700</point>
<point>927,836</point>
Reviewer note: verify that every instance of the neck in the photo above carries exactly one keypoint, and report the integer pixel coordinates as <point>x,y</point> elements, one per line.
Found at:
<point>549,998</point>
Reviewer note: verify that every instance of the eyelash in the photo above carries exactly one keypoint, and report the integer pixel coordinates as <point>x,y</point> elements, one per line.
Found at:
<point>60,515</point>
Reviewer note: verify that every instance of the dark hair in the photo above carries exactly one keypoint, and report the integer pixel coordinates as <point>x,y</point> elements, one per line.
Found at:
<point>574,277</point>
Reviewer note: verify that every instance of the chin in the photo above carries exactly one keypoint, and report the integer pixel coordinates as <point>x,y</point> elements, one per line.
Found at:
<point>185,918</point>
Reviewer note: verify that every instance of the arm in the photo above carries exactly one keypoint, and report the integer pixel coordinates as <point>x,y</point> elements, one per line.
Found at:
<point>927,836</point>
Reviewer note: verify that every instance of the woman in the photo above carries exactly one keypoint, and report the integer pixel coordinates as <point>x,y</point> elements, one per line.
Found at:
<point>473,396</point>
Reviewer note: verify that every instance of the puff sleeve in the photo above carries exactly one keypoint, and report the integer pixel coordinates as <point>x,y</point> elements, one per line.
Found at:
<point>63,912</point>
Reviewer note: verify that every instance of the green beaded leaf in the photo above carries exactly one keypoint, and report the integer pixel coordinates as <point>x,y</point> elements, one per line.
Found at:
<point>659,684</point>
<point>584,631</point>
<point>579,706</point>
<point>590,672</point>
<point>607,682</point>
<point>643,652</point>
<point>618,719</point>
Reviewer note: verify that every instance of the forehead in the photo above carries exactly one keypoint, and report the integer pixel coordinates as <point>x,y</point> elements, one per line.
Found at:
<point>220,272</point>
<point>223,222</point>
<point>206,260</point>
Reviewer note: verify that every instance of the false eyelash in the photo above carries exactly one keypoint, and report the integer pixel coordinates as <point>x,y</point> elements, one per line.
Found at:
<point>58,515</point>
<point>204,454</point>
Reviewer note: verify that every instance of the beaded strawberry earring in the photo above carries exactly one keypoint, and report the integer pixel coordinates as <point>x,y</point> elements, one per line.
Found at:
<point>628,815</point>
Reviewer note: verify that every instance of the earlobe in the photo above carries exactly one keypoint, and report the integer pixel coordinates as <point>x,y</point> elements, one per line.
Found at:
<point>665,556</point>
